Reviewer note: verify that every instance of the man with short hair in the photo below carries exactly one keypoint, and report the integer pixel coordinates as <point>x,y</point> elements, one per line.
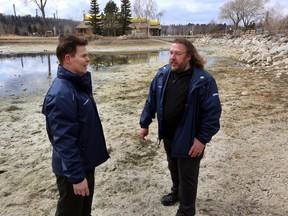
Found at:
<point>74,129</point>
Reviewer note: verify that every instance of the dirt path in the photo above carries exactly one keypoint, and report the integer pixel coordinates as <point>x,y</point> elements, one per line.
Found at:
<point>251,167</point>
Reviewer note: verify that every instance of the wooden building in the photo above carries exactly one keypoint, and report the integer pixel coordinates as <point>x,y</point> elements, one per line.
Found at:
<point>153,26</point>
<point>83,29</point>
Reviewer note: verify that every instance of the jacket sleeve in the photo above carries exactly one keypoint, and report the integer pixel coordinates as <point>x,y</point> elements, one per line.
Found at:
<point>210,112</point>
<point>61,116</point>
<point>149,110</point>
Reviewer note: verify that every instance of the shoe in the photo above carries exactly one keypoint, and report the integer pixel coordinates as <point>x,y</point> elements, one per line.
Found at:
<point>170,199</point>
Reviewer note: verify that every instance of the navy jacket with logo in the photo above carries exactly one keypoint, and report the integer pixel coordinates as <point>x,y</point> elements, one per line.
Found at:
<point>202,114</point>
<point>73,126</point>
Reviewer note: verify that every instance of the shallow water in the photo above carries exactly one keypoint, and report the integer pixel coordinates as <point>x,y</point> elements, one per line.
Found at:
<point>25,74</point>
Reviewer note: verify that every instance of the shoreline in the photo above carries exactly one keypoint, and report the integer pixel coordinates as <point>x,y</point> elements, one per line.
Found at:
<point>107,45</point>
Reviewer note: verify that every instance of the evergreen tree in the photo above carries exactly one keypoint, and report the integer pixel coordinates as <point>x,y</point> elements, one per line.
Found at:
<point>94,20</point>
<point>41,5</point>
<point>125,16</point>
<point>34,29</point>
<point>29,29</point>
<point>111,18</point>
<point>16,32</point>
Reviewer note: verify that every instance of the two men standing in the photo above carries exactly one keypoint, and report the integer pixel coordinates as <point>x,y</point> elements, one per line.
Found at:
<point>184,96</point>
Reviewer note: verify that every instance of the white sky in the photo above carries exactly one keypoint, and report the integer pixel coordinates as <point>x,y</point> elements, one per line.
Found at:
<point>177,12</point>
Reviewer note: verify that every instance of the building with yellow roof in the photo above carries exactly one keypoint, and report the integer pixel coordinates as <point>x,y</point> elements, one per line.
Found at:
<point>138,26</point>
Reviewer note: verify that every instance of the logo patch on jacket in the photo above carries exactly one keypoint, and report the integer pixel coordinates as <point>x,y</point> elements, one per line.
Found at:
<point>86,102</point>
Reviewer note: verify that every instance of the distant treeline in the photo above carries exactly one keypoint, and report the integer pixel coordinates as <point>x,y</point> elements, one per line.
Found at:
<point>28,25</point>
<point>195,29</point>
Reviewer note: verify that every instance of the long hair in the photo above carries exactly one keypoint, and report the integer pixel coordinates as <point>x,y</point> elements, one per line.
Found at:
<point>68,45</point>
<point>196,59</point>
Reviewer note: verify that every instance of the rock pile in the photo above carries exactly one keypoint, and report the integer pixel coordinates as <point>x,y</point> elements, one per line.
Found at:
<point>258,50</point>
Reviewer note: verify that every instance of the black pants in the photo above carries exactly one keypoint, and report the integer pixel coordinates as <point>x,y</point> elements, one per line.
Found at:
<point>184,174</point>
<point>70,204</point>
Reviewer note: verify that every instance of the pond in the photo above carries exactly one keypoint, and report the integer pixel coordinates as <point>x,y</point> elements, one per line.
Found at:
<point>24,74</point>
<point>31,73</point>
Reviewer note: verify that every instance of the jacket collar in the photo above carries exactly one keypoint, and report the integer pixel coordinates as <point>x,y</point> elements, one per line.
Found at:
<point>83,81</point>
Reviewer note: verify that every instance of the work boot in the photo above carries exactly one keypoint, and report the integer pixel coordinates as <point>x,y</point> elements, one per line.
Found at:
<point>170,199</point>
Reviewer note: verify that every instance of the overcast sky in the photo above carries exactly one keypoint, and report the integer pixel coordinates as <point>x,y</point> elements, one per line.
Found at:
<point>177,12</point>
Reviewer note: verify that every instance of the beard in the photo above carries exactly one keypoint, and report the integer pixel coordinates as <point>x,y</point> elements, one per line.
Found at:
<point>175,67</point>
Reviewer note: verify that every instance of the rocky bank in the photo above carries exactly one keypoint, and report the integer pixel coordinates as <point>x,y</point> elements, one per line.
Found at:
<point>257,50</point>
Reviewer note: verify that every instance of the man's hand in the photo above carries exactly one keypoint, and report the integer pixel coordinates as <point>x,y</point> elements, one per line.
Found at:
<point>143,133</point>
<point>196,149</point>
<point>81,188</point>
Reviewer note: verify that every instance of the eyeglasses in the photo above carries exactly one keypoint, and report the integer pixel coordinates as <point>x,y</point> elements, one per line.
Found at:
<point>176,53</point>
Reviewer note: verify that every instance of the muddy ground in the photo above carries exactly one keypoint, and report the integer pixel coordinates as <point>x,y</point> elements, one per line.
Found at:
<point>244,171</point>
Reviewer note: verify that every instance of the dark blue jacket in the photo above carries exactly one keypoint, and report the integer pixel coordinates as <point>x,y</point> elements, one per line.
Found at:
<point>202,113</point>
<point>73,126</point>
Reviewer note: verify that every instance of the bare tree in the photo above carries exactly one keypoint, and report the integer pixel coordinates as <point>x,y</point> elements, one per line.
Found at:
<point>275,21</point>
<point>247,11</point>
<point>41,5</point>
<point>231,11</point>
<point>145,9</point>
<point>160,14</point>
<point>251,11</point>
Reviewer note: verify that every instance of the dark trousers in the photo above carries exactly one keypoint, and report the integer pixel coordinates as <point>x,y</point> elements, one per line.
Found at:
<point>70,204</point>
<point>184,174</point>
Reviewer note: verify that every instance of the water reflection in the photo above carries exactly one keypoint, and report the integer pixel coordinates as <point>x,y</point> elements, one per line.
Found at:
<point>99,62</point>
<point>23,74</point>
<point>32,73</point>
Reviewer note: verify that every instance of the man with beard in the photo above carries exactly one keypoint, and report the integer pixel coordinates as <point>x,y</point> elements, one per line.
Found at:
<point>185,98</point>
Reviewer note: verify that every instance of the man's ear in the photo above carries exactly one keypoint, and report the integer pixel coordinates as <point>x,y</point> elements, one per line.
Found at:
<point>67,58</point>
